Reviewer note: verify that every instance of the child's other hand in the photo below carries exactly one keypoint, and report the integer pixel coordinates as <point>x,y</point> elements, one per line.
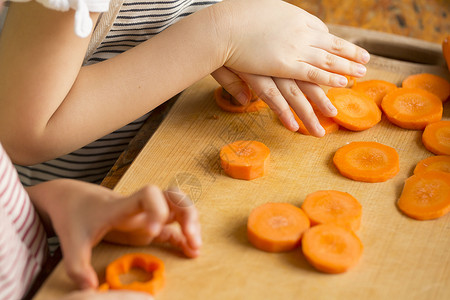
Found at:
<point>110,295</point>
<point>82,214</point>
<point>280,94</point>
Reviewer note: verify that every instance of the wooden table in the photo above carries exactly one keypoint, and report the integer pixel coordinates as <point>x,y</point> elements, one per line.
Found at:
<point>331,12</point>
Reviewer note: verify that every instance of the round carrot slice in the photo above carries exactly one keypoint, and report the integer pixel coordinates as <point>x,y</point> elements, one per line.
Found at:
<point>433,163</point>
<point>429,82</point>
<point>426,196</point>
<point>146,262</point>
<point>374,89</point>
<point>327,123</point>
<point>412,108</point>
<point>227,103</point>
<point>335,207</point>
<point>331,249</point>
<point>367,161</point>
<point>356,111</point>
<point>245,159</point>
<point>276,227</point>
<point>436,137</point>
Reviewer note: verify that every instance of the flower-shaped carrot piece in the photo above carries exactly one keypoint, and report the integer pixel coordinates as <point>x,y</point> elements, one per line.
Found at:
<point>146,262</point>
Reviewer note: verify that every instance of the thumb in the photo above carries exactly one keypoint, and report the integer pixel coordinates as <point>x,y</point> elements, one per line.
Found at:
<point>233,84</point>
<point>77,261</point>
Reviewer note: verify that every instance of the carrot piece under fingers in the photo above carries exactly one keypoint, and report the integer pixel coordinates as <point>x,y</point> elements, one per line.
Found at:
<point>436,137</point>
<point>227,103</point>
<point>446,50</point>
<point>433,163</point>
<point>146,262</point>
<point>327,123</point>
<point>245,159</point>
<point>412,108</point>
<point>331,249</point>
<point>356,111</point>
<point>276,227</point>
<point>367,161</point>
<point>374,89</point>
<point>426,196</point>
<point>104,287</point>
<point>335,207</point>
<point>431,83</point>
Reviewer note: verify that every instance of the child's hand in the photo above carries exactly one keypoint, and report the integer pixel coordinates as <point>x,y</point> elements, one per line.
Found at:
<point>296,55</point>
<point>82,214</point>
<point>279,94</point>
<point>277,39</point>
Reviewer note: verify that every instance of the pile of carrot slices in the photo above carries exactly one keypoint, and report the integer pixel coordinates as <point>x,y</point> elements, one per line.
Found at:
<point>324,227</point>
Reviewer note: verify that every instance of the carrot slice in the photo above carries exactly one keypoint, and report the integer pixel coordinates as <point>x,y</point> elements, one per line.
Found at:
<point>245,159</point>
<point>433,163</point>
<point>429,82</point>
<point>276,227</point>
<point>356,111</point>
<point>446,50</point>
<point>226,102</point>
<point>436,137</point>
<point>374,89</point>
<point>331,249</point>
<point>426,196</point>
<point>412,108</point>
<point>327,123</point>
<point>367,161</point>
<point>335,207</point>
<point>146,262</point>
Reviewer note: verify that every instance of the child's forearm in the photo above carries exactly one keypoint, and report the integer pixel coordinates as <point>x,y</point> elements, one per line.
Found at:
<point>57,107</point>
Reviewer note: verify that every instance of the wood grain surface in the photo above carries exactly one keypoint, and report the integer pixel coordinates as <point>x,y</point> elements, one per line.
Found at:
<point>428,20</point>
<point>403,258</point>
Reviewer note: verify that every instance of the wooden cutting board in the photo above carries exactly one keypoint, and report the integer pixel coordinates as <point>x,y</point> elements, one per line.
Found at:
<point>403,258</point>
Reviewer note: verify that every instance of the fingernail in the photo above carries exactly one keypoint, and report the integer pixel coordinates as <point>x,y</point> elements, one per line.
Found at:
<point>332,109</point>
<point>320,129</point>
<point>361,70</point>
<point>242,98</point>
<point>343,81</point>
<point>365,56</point>
<point>294,124</point>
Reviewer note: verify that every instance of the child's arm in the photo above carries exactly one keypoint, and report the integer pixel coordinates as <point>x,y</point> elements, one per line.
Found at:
<point>47,99</point>
<point>110,295</point>
<point>82,214</point>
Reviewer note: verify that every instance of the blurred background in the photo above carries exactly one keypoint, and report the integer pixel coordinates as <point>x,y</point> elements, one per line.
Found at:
<point>422,19</point>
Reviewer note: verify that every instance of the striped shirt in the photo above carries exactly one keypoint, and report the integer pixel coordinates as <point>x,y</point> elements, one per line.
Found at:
<point>22,236</point>
<point>127,24</point>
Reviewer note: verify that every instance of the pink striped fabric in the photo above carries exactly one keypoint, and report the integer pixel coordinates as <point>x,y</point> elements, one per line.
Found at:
<point>23,242</point>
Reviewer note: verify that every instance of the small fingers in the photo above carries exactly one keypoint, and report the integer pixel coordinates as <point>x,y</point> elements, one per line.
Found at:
<point>172,235</point>
<point>300,105</point>
<point>185,213</point>
<point>334,63</point>
<point>317,95</point>
<point>341,47</point>
<point>233,84</point>
<point>267,90</point>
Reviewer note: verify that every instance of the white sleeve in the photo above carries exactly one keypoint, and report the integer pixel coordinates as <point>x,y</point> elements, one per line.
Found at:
<point>83,22</point>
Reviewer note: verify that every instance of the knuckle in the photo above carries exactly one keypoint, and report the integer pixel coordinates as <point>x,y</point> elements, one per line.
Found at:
<point>270,93</point>
<point>337,44</point>
<point>330,60</point>
<point>313,74</point>
<point>294,90</point>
